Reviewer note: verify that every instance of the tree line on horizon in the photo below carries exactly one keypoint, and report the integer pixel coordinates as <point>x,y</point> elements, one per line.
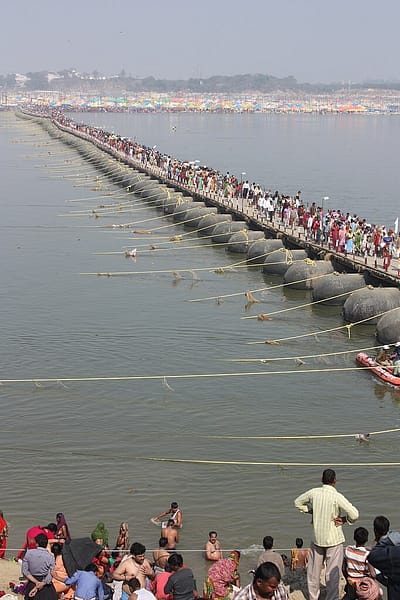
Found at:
<point>73,81</point>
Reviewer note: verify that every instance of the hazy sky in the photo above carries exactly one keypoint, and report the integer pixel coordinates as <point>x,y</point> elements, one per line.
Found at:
<point>313,40</point>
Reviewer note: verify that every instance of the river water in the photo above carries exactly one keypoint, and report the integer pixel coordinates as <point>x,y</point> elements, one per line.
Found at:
<point>78,447</point>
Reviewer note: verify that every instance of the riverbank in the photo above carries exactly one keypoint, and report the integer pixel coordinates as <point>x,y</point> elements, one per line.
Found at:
<point>9,571</point>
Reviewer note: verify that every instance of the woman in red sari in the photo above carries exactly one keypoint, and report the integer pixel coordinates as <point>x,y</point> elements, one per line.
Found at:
<point>3,535</point>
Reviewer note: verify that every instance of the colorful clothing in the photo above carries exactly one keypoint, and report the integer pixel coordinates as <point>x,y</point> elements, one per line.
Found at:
<point>221,577</point>
<point>158,585</point>
<point>3,537</point>
<point>298,558</point>
<point>248,593</point>
<point>349,243</point>
<point>62,528</point>
<point>100,533</point>
<point>368,589</point>
<point>30,542</point>
<point>356,562</point>
<point>122,542</point>
<point>88,585</point>
<point>62,588</point>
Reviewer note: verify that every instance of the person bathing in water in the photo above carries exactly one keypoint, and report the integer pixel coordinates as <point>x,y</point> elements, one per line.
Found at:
<point>174,513</point>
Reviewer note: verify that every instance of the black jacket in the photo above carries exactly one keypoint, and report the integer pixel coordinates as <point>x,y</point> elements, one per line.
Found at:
<point>385,556</point>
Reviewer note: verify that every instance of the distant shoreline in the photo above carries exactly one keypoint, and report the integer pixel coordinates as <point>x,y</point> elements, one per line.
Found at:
<point>283,102</point>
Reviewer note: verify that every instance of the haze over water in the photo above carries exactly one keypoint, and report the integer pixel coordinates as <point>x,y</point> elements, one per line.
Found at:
<point>74,447</point>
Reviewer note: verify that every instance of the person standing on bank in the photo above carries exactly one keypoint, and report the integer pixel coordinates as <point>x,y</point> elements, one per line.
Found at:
<point>270,555</point>
<point>37,566</point>
<point>326,505</point>
<point>181,585</point>
<point>3,535</point>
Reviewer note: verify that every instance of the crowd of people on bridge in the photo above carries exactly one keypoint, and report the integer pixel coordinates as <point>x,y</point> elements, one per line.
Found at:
<point>57,567</point>
<point>343,232</point>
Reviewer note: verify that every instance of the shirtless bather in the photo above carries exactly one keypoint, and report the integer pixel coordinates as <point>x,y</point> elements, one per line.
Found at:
<point>213,547</point>
<point>161,555</point>
<point>135,566</point>
<point>170,534</point>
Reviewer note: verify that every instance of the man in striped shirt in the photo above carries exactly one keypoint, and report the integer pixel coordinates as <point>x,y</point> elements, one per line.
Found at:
<point>266,585</point>
<point>326,505</point>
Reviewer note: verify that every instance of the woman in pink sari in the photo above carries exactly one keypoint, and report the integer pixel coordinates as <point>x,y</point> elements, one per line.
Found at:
<point>222,576</point>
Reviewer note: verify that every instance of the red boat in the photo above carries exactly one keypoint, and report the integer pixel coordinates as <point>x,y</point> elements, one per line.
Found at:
<point>384,373</point>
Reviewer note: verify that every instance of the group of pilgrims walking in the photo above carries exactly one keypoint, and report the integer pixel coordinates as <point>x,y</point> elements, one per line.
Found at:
<point>344,232</point>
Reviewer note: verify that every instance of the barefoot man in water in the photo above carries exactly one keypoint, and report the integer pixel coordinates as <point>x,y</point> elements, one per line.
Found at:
<point>171,534</point>
<point>173,513</point>
<point>161,555</point>
<point>213,547</point>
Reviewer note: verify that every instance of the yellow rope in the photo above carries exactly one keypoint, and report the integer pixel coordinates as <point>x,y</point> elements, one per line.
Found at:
<point>104,207</point>
<point>67,163</point>
<point>161,217</point>
<point>110,210</point>
<point>294,437</point>
<point>164,376</point>
<point>277,312</point>
<point>95,198</point>
<point>115,207</point>
<point>171,248</point>
<point>175,223</point>
<point>205,237</point>
<point>265,464</point>
<point>195,231</point>
<point>216,269</point>
<point>263,289</point>
<point>117,193</point>
<point>288,255</point>
<point>348,326</point>
<point>279,358</point>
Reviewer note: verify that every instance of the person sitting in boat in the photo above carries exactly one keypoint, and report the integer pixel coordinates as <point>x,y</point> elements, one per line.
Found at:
<point>396,359</point>
<point>383,357</point>
<point>395,355</point>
